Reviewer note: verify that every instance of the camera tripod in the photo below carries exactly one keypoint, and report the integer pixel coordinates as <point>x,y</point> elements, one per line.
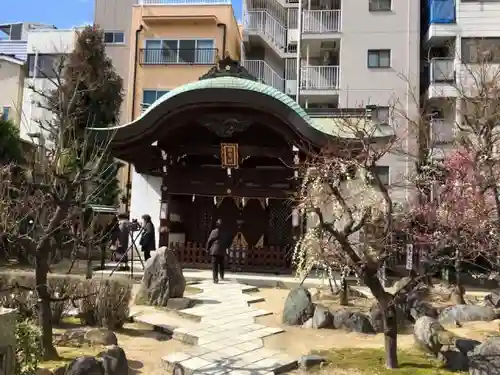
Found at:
<point>135,249</point>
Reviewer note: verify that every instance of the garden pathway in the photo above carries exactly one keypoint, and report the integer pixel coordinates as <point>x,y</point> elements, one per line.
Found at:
<point>225,337</point>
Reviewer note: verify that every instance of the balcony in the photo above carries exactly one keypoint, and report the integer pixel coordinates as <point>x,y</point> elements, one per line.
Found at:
<point>442,70</point>
<point>164,56</point>
<point>320,78</point>
<point>321,21</point>
<point>184,2</point>
<point>15,48</point>
<point>442,132</point>
<point>266,26</point>
<point>263,72</point>
<point>442,78</point>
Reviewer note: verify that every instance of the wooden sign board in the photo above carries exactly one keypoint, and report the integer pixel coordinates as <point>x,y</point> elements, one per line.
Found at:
<point>229,155</point>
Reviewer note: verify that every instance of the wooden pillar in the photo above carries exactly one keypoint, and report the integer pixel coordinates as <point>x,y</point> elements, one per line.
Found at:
<point>165,203</point>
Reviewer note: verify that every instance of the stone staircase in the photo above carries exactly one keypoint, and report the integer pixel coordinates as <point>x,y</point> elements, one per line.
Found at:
<point>224,336</point>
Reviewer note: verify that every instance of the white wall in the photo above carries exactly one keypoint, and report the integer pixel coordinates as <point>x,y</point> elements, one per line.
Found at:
<point>47,41</point>
<point>478,18</point>
<point>145,199</point>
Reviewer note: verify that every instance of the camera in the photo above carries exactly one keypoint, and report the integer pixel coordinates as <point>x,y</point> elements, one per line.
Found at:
<point>134,225</point>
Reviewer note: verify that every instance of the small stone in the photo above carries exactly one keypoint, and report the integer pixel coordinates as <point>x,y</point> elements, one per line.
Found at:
<point>85,366</point>
<point>101,336</point>
<point>322,317</point>
<point>72,337</point>
<point>308,323</point>
<point>308,361</point>
<point>114,361</point>
<point>179,303</point>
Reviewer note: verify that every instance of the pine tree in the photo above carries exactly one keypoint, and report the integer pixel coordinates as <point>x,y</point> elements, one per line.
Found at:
<point>89,73</point>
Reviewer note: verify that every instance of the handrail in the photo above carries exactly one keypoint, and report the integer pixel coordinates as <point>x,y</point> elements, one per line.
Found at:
<point>263,71</point>
<point>165,56</point>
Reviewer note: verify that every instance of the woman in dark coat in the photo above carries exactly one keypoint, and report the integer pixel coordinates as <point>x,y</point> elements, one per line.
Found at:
<point>147,241</point>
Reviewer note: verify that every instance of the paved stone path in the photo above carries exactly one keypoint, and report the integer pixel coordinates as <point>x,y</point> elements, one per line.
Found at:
<point>225,337</point>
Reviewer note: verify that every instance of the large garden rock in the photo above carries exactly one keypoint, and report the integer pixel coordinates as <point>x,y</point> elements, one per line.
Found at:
<point>352,321</point>
<point>466,313</point>
<point>311,360</point>
<point>454,360</point>
<point>492,300</point>
<point>101,336</point>
<point>322,317</point>
<point>162,280</point>
<point>421,308</point>
<point>114,361</point>
<point>85,366</point>
<point>298,307</point>
<point>485,358</point>
<point>426,333</point>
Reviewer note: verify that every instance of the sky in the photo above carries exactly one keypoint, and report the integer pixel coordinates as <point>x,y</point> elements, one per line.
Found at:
<point>61,13</point>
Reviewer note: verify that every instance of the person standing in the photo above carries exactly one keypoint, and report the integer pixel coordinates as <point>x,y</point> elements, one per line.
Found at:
<point>148,239</point>
<point>122,239</point>
<point>217,244</point>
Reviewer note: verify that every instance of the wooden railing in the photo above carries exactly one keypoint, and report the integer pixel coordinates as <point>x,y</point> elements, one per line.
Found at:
<point>261,259</point>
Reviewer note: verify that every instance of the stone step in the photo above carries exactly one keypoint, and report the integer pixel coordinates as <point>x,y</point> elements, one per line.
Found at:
<point>200,360</point>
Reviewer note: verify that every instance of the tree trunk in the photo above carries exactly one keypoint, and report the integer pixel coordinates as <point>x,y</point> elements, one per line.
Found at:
<point>371,280</point>
<point>41,271</point>
<point>44,311</point>
<point>390,337</point>
<point>344,297</point>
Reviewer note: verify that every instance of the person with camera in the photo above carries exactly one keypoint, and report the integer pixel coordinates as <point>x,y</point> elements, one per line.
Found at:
<point>148,240</point>
<point>121,240</point>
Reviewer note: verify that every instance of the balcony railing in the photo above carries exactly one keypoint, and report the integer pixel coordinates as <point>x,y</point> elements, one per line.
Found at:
<point>320,78</point>
<point>321,21</point>
<point>164,56</point>
<point>183,2</point>
<point>263,71</point>
<point>442,70</point>
<point>16,48</point>
<point>263,22</point>
<point>442,131</point>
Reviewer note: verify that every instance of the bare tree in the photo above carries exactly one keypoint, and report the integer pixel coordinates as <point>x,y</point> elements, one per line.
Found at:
<point>345,199</point>
<point>38,203</point>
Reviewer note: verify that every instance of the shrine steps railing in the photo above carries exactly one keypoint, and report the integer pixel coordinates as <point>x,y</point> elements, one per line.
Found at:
<point>239,259</point>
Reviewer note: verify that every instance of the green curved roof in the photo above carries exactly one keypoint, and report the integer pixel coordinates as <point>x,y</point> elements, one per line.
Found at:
<point>233,83</point>
<point>331,126</point>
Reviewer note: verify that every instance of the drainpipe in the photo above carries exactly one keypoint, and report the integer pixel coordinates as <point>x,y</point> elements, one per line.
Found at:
<point>134,84</point>
<point>299,40</point>
<point>224,38</point>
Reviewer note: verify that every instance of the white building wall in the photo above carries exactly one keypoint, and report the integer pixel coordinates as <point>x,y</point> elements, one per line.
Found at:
<point>481,19</point>
<point>47,41</point>
<point>145,199</point>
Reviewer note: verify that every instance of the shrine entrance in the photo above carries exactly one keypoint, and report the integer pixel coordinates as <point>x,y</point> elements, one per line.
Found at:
<point>225,147</point>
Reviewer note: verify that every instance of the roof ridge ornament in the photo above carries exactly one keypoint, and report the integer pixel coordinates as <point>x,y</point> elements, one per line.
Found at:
<point>227,67</point>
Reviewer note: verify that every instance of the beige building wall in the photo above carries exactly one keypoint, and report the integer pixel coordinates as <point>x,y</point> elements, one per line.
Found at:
<point>11,94</point>
<point>161,22</point>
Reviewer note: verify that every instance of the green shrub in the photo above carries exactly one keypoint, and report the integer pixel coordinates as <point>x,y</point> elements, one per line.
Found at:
<point>106,301</point>
<point>28,347</point>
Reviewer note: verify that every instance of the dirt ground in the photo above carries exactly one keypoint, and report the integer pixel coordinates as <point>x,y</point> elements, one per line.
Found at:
<point>298,341</point>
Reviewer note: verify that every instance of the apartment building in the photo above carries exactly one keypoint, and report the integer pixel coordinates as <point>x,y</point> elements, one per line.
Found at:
<point>45,49</point>
<point>455,32</point>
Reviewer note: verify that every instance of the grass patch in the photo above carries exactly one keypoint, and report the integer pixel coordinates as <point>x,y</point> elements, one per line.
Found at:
<point>67,354</point>
<point>372,362</point>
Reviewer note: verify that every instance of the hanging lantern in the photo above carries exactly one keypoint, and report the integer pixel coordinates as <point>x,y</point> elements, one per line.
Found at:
<point>267,202</point>
<point>228,172</point>
<point>194,197</point>
<point>163,210</point>
<point>295,218</point>
<point>215,201</point>
<point>243,202</point>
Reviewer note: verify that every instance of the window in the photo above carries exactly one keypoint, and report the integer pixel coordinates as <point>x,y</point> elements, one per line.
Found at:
<point>151,96</point>
<point>480,50</point>
<point>379,58</point>
<point>5,113</point>
<point>381,115</point>
<point>48,65</point>
<point>380,5</point>
<point>382,172</point>
<point>114,37</point>
<point>185,51</point>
